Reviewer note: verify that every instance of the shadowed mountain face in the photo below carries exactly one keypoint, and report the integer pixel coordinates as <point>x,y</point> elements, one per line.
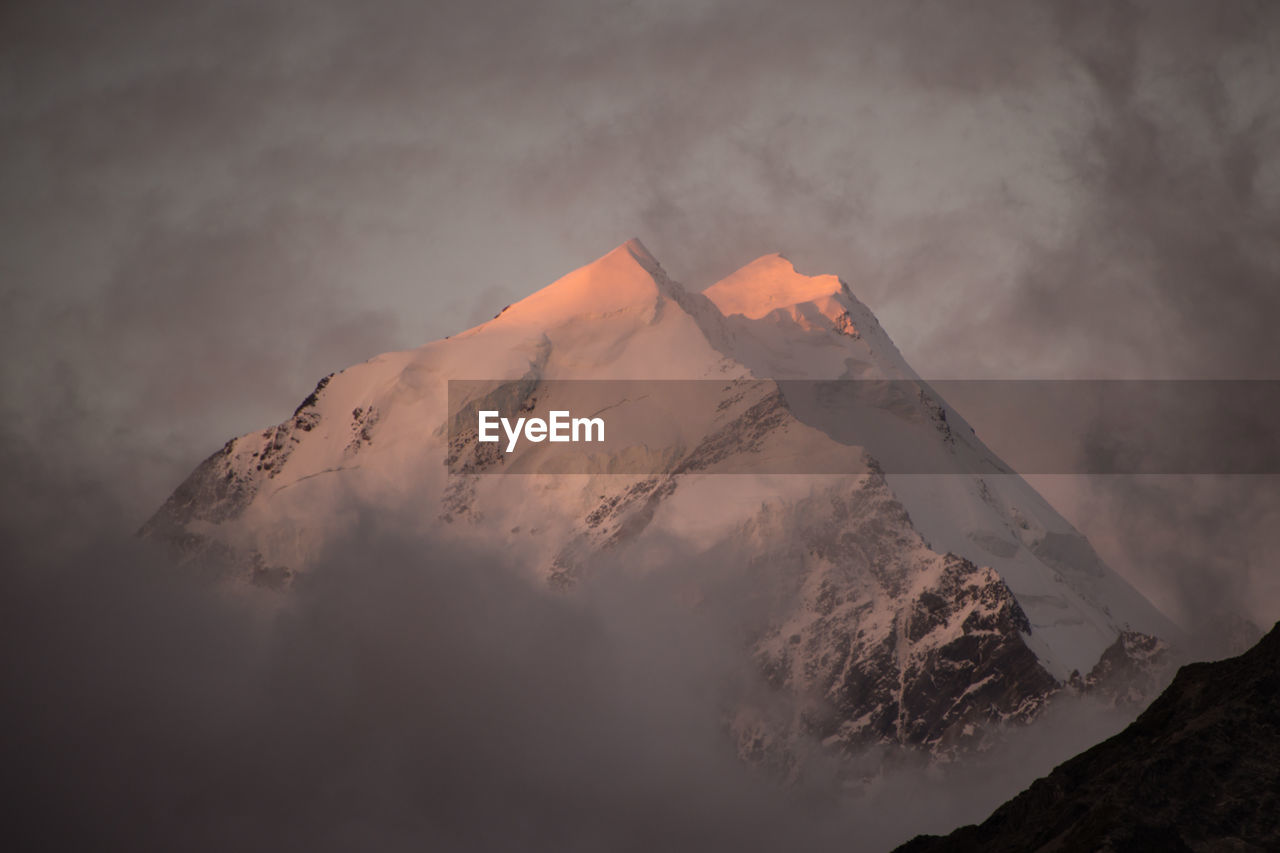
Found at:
<point>1198,771</point>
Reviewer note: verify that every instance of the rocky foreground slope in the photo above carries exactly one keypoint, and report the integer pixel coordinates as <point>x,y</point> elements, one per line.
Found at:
<point>1198,771</point>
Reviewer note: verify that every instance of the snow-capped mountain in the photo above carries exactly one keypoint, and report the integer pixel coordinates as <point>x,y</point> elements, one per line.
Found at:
<point>901,608</point>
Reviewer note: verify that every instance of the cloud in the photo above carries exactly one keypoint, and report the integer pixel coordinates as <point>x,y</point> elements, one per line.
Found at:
<point>408,694</point>
<point>206,210</point>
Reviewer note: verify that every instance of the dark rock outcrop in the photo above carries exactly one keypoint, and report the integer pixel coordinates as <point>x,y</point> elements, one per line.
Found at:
<point>1199,770</point>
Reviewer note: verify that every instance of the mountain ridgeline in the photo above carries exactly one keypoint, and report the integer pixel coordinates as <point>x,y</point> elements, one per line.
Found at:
<point>913,611</point>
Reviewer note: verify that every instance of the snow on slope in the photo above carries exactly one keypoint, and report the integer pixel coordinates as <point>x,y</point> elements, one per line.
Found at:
<point>1076,604</point>
<point>968,583</point>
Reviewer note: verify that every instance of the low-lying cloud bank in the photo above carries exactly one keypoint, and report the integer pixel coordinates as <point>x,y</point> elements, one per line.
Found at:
<point>405,695</point>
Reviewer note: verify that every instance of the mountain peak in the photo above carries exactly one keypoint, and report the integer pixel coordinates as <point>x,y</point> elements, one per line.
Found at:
<point>951,575</point>
<point>640,254</point>
<point>767,284</point>
<point>626,276</point>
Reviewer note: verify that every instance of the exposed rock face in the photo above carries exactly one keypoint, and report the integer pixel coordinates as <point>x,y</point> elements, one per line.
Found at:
<point>1199,771</point>
<point>1130,671</point>
<point>222,486</point>
<point>894,643</point>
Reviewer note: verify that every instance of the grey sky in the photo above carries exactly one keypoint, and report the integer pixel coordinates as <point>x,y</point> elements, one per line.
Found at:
<point>206,207</point>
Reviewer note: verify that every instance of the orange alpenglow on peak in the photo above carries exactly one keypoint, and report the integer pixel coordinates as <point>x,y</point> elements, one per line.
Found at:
<point>767,284</point>
<point>628,275</point>
<point>642,255</point>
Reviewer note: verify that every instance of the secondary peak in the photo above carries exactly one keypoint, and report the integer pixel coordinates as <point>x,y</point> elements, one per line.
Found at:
<point>767,284</point>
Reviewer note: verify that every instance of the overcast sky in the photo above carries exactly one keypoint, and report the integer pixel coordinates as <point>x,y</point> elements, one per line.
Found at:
<point>205,207</point>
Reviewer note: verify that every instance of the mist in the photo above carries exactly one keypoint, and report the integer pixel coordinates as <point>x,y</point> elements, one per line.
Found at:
<point>205,210</point>
<point>405,694</point>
